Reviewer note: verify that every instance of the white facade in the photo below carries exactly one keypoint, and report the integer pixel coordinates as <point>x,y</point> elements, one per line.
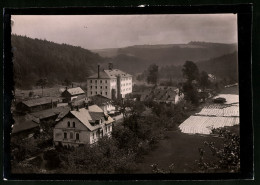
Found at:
<point>109,83</point>
<point>75,129</point>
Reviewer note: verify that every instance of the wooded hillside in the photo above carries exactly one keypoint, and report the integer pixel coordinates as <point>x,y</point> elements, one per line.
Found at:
<point>35,59</point>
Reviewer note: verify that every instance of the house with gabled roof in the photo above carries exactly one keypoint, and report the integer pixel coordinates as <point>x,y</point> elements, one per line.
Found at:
<point>162,94</point>
<point>37,104</point>
<point>82,126</point>
<point>111,83</point>
<point>73,93</point>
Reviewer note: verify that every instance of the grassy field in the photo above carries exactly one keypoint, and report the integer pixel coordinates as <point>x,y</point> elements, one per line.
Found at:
<point>180,149</point>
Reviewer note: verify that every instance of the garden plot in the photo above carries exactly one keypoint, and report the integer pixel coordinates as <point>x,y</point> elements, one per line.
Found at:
<point>226,111</point>
<point>204,124</point>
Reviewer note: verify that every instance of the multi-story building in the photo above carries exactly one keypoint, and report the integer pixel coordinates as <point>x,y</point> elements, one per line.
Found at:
<point>82,126</point>
<point>111,83</point>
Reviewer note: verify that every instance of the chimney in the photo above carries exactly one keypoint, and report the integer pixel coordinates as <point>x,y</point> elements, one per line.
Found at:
<point>98,70</point>
<point>110,66</point>
<point>77,108</point>
<point>66,88</point>
<point>86,105</point>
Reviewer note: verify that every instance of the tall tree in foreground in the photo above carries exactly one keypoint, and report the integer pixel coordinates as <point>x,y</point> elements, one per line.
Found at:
<point>152,77</point>
<point>190,71</point>
<point>42,83</point>
<point>204,80</point>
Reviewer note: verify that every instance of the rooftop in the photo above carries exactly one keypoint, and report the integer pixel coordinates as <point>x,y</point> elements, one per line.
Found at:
<point>110,74</point>
<point>75,91</point>
<point>39,101</point>
<point>21,124</point>
<point>100,100</point>
<point>50,112</point>
<point>86,116</point>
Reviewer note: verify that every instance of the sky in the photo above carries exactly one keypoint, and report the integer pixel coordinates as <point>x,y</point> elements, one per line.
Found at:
<point>115,31</point>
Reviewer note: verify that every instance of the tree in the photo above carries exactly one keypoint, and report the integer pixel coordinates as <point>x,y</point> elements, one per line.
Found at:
<point>190,93</point>
<point>190,71</point>
<point>42,83</point>
<point>67,82</point>
<point>227,158</point>
<point>152,74</point>
<point>204,80</point>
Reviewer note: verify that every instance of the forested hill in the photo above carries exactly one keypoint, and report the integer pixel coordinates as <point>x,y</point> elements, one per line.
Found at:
<point>169,54</point>
<point>225,66</point>
<point>34,59</point>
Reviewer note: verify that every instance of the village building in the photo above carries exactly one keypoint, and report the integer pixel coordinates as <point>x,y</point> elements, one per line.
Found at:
<point>111,83</point>
<point>72,93</point>
<point>34,105</point>
<point>47,115</point>
<point>104,103</point>
<point>163,94</point>
<point>82,126</point>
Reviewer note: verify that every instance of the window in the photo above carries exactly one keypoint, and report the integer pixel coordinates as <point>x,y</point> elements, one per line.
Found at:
<point>73,124</point>
<point>91,87</point>
<point>91,92</point>
<point>95,81</point>
<point>71,135</point>
<point>106,129</point>
<point>100,87</point>
<point>96,87</point>
<point>101,93</point>
<point>68,124</point>
<point>96,92</point>
<point>65,135</point>
<point>106,81</point>
<point>77,136</point>
<point>93,135</point>
<point>90,81</point>
<point>106,87</point>
<point>100,81</point>
<point>106,93</point>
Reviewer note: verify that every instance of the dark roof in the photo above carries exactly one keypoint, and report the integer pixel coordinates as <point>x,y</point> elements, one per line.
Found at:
<point>97,115</point>
<point>100,100</point>
<point>39,101</point>
<point>50,112</point>
<point>110,74</point>
<point>22,124</point>
<point>160,93</point>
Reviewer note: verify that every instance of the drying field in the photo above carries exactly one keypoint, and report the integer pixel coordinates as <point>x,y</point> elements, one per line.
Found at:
<point>213,116</point>
<point>204,124</point>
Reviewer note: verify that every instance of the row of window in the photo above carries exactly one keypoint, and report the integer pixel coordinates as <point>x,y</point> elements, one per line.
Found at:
<point>71,135</point>
<point>126,84</point>
<point>101,87</point>
<point>97,93</point>
<point>96,81</point>
<point>73,124</point>
<point>128,78</point>
<point>126,89</point>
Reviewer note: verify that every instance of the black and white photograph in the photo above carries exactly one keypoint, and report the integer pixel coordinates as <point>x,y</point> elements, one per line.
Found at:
<point>125,94</point>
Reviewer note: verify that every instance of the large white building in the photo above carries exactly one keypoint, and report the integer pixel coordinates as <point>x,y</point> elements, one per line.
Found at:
<point>111,83</point>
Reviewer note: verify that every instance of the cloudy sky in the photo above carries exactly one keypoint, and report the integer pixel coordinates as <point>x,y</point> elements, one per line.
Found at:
<point>114,31</point>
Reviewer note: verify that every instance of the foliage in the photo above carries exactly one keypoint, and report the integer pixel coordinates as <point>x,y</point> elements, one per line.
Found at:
<point>204,80</point>
<point>42,83</point>
<point>35,58</point>
<point>227,157</point>
<point>156,169</point>
<point>190,71</point>
<point>190,93</point>
<point>152,77</point>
